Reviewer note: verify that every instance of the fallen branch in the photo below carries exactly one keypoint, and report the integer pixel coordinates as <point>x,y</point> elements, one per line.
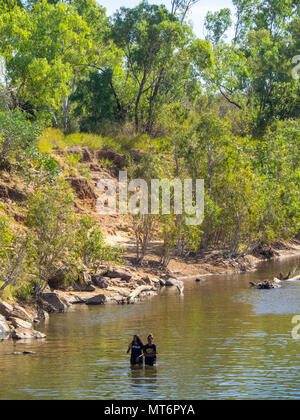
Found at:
<point>140,290</point>
<point>120,292</point>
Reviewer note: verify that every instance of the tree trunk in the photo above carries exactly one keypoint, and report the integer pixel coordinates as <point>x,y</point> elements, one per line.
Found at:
<point>137,102</point>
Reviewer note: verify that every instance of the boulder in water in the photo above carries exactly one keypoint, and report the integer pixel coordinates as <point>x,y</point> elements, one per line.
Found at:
<point>26,334</point>
<point>96,300</point>
<point>51,303</point>
<point>8,310</point>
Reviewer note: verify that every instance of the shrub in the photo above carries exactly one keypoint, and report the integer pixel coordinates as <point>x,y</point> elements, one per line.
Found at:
<point>91,247</point>
<point>12,255</point>
<point>17,135</point>
<point>52,221</point>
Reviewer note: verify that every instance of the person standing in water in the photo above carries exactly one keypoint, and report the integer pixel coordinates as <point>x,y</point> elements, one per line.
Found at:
<point>150,351</point>
<point>136,348</point>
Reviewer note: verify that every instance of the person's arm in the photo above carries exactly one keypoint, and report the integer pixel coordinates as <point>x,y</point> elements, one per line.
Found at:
<point>129,348</point>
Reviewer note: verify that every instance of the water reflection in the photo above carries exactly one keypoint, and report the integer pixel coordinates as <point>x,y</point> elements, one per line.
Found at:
<point>143,381</point>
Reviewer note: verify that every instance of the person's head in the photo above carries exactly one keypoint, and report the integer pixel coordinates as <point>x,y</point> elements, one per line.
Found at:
<point>150,338</point>
<point>137,340</point>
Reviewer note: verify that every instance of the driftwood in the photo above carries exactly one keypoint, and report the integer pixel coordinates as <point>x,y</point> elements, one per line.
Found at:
<point>275,283</point>
<point>120,292</point>
<point>266,285</point>
<point>282,278</point>
<point>297,278</point>
<point>138,291</point>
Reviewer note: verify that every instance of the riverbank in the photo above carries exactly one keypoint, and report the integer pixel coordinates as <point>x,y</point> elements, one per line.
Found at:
<point>122,285</point>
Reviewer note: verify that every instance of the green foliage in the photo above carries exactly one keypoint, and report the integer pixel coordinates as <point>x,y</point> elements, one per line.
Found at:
<point>51,219</point>
<point>96,103</point>
<point>91,247</point>
<point>217,24</point>
<point>227,112</point>
<point>17,136</point>
<point>149,35</point>
<point>45,47</point>
<point>12,255</point>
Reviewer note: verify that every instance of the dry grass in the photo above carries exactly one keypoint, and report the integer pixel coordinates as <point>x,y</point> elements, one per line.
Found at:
<point>53,139</point>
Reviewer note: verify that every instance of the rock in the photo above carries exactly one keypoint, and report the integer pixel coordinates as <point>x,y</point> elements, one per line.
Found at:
<point>96,300</point>
<point>162,283</point>
<point>119,160</point>
<point>52,299</point>
<point>15,311</point>
<point>11,193</point>
<point>84,190</point>
<point>174,283</point>
<point>95,168</point>
<point>140,282</point>
<point>84,283</point>
<point>45,306</point>
<point>58,282</point>
<point>4,329</point>
<point>25,334</point>
<point>87,155</point>
<point>89,288</point>
<point>100,282</point>
<point>198,280</point>
<point>18,353</point>
<point>19,323</point>
<point>147,280</point>
<point>265,251</point>
<point>167,277</point>
<point>42,315</point>
<point>155,281</point>
<point>120,300</point>
<point>114,274</point>
<point>71,299</point>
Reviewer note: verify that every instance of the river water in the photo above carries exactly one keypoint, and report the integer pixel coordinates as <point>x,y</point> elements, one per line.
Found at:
<point>221,340</point>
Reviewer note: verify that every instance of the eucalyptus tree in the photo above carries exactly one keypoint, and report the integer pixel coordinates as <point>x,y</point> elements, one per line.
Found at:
<point>182,7</point>
<point>216,24</point>
<point>47,48</point>
<point>148,35</point>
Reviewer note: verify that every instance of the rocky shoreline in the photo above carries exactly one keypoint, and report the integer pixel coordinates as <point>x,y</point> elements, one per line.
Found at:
<point>114,285</point>
<point>118,285</point>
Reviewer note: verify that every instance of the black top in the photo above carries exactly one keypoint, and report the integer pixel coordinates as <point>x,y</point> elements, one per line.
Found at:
<point>136,351</point>
<point>150,349</point>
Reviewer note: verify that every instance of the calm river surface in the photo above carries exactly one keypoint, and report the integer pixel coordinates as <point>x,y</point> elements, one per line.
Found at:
<point>220,341</point>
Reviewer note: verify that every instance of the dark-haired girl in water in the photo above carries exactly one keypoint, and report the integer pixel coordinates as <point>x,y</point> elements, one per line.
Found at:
<point>136,348</point>
<point>150,351</point>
